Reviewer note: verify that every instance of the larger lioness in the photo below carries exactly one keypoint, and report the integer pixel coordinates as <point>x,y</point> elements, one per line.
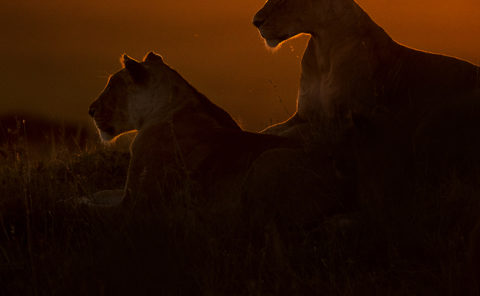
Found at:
<point>351,65</point>
<point>186,145</point>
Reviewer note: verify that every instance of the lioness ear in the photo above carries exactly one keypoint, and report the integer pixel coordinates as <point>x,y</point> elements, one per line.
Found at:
<point>153,58</point>
<point>137,71</point>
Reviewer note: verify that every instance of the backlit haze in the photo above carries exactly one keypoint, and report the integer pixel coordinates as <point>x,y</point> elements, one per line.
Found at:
<point>57,55</point>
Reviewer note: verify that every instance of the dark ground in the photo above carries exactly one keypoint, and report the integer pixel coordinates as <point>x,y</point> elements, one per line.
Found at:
<point>409,236</point>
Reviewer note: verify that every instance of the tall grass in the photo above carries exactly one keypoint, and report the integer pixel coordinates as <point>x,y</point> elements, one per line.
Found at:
<point>49,246</point>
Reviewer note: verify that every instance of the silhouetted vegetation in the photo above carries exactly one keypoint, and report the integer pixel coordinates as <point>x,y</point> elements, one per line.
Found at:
<point>408,239</point>
<point>35,137</point>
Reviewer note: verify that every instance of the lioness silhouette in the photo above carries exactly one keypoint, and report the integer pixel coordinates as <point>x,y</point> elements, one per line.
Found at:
<point>351,65</point>
<point>186,144</point>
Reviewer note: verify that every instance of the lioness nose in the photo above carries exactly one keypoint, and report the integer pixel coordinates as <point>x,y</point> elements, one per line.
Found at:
<point>91,111</point>
<point>258,21</point>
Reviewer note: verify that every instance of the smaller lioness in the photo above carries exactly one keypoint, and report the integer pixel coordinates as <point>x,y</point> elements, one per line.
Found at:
<point>185,144</point>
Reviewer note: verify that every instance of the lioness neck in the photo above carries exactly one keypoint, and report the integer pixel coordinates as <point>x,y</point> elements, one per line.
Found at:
<point>194,108</point>
<point>339,63</point>
<point>159,108</point>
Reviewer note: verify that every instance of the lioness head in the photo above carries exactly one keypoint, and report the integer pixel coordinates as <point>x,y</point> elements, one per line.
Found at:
<point>280,20</point>
<point>131,95</point>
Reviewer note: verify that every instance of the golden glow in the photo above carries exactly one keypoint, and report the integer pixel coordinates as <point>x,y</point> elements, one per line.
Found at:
<point>57,54</point>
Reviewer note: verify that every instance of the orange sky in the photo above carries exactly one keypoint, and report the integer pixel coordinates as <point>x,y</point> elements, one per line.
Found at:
<point>56,54</point>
